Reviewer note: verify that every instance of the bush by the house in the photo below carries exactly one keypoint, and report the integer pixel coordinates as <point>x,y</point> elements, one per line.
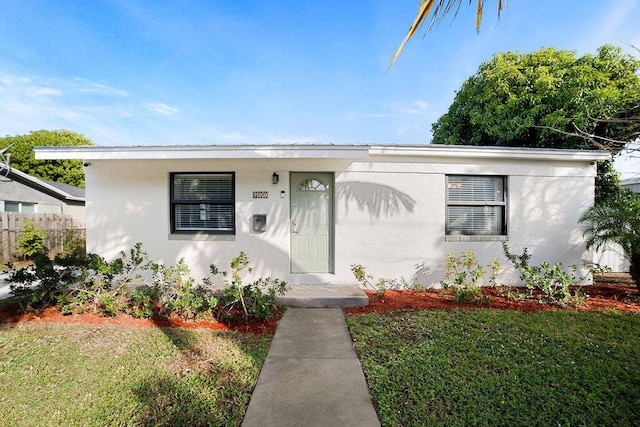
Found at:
<point>252,300</point>
<point>546,282</point>
<point>133,284</point>
<point>367,280</point>
<point>463,276</point>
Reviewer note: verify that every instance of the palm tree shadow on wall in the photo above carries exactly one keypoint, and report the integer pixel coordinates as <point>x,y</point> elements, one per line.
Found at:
<point>377,199</point>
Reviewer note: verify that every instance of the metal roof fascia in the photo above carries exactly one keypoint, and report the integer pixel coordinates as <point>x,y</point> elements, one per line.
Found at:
<point>204,152</point>
<point>490,152</point>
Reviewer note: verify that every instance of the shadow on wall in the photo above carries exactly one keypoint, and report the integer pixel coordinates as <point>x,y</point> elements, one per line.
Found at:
<point>108,240</point>
<point>554,210</point>
<point>377,199</point>
<point>426,275</point>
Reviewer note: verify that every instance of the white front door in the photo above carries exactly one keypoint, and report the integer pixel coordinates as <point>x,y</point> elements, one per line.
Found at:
<point>311,222</point>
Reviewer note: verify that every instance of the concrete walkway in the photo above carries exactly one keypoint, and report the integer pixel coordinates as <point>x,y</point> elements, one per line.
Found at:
<point>311,376</point>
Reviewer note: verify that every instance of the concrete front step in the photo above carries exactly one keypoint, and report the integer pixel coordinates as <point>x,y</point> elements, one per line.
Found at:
<point>321,296</point>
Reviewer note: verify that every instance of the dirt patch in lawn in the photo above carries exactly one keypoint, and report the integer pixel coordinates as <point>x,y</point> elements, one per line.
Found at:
<point>613,291</point>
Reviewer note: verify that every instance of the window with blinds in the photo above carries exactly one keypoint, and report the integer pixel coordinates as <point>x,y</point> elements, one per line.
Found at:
<point>203,202</point>
<point>476,205</point>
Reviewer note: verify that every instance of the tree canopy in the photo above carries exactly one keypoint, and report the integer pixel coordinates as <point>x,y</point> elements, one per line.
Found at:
<point>547,99</point>
<point>23,158</point>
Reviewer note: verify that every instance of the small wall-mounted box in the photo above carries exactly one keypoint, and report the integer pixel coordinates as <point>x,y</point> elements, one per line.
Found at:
<point>259,223</point>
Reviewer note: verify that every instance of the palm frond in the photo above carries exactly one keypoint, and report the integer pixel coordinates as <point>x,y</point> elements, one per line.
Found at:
<point>441,9</point>
<point>423,11</point>
<point>616,221</point>
<point>479,14</point>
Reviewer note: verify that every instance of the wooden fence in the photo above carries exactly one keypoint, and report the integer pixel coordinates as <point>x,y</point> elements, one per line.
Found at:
<point>60,230</point>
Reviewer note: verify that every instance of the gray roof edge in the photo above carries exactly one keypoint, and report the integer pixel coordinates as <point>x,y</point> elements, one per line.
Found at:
<point>47,185</point>
<point>630,181</point>
<point>96,152</point>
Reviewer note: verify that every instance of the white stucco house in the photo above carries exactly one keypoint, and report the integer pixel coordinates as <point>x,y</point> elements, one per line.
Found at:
<point>305,213</point>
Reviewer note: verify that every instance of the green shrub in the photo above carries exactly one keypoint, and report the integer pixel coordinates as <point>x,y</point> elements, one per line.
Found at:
<point>381,285</point>
<point>109,304</point>
<point>595,268</point>
<point>552,281</point>
<point>178,293</point>
<point>256,300</point>
<point>79,284</point>
<point>74,243</point>
<point>143,301</point>
<point>38,285</point>
<point>463,276</point>
<point>101,286</point>
<point>30,241</point>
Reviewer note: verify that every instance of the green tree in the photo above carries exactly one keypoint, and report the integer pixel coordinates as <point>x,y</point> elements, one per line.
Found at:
<point>546,99</point>
<point>616,220</point>
<point>607,182</point>
<point>64,171</point>
<point>549,99</point>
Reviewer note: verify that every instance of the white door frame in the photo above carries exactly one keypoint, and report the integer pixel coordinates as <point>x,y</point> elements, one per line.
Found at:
<point>315,230</point>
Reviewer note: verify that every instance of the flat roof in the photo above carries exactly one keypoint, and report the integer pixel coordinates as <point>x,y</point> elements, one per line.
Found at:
<point>309,151</point>
<point>630,181</point>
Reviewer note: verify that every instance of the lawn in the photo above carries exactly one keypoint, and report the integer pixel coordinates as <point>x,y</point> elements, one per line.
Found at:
<point>501,367</point>
<point>56,374</point>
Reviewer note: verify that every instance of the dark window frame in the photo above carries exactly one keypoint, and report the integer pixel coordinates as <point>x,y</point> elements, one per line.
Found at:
<point>173,203</point>
<point>502,204</point>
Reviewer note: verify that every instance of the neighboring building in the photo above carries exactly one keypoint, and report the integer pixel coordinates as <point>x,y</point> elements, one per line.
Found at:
<point>632,184</point>
<point>306,213</point>
<point>20,192</point>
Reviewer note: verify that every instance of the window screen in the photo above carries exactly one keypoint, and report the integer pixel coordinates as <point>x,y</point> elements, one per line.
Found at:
<point>203,202</point>
<point>476,205</point>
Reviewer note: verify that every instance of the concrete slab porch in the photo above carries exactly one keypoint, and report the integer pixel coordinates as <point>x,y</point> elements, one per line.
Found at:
<point>321,296</point>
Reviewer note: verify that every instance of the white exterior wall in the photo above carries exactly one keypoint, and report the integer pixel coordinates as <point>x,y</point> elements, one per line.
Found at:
<point>389,213</point>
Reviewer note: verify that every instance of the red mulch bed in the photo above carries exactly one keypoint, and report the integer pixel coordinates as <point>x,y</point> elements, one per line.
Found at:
<point>12,315</point>
<point>612,291</point>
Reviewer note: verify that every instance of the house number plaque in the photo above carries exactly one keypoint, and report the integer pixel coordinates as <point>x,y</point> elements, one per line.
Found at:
<point>260,194</point>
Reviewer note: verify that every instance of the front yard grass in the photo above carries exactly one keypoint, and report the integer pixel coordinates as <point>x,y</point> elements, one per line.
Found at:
<point>500,367</point>
<point>104,375</point>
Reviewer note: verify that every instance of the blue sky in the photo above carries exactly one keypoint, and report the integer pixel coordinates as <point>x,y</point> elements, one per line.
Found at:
<point>133,72</point>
